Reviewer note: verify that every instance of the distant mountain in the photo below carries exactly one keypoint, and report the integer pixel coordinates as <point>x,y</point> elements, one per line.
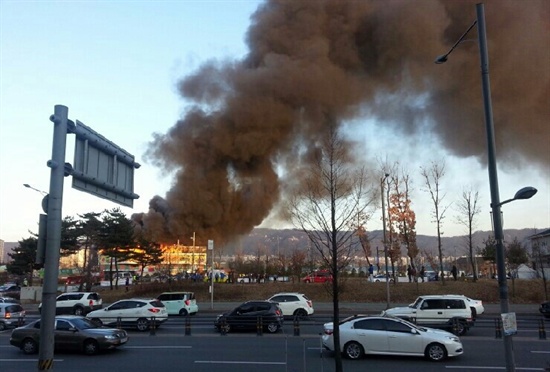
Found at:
<point>274,241</point>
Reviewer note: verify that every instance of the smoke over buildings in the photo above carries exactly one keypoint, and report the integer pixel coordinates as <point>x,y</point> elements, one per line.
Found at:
<point>312,63</point>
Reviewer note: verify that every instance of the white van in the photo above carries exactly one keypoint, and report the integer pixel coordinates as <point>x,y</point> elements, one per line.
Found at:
<point>179,303</point>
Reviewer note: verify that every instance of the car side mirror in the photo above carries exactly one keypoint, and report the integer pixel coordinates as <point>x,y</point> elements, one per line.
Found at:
<point>414,331</point>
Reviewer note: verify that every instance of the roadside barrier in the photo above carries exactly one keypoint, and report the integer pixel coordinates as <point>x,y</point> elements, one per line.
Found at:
<point>20,321</point>
<point>119,323</point>
<point>542,331</point>
<point>498,328</point>
<point>223,327</point>
<point>187,326</point>
<point>259,327</point>
<point>296,324</point>
<point>153,326</point>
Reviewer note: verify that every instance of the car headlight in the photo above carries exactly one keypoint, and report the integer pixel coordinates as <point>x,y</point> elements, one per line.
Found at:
<point>454,339</point>
<point>111,337</point>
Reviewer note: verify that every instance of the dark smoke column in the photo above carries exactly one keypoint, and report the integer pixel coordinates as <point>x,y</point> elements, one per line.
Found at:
<point>254,123</point>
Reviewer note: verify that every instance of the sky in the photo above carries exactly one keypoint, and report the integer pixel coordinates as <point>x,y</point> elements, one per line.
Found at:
<point>116,65</point>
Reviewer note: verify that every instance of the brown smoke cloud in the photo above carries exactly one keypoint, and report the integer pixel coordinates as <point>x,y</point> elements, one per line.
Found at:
<point>313,62</point>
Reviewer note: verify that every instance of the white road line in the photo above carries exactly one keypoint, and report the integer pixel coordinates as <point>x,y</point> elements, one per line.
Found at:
<point>28,360</point>
<point>157,347</point>
<point>540,352</point>
<point>237,362</point>
<point>470,368</point>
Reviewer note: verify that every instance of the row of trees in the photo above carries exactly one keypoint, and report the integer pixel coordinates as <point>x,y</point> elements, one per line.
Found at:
<point>110,233</point>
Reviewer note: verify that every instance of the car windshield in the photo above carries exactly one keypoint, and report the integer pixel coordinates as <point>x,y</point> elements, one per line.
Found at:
<point>416,303</point>
<point>84,323</point>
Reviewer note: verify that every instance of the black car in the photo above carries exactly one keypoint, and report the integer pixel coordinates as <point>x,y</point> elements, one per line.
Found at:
<point>545,309</point>
<point>251,315</point>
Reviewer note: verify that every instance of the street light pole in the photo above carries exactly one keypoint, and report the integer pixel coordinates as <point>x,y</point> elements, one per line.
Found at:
<point>385,241</point>
<point>493,176</point>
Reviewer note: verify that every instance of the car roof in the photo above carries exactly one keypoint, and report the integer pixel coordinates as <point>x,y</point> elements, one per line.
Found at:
<point>179,292</point>
<point>76,293</point>
<point>461,297</point>
<point>287,293</point>
<point>6,304</point>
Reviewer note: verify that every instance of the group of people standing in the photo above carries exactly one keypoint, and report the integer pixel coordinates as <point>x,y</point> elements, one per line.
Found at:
<point>411,273</point>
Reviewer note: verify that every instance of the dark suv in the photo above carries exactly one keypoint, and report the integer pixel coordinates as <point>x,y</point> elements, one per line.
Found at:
<point>251,315</point>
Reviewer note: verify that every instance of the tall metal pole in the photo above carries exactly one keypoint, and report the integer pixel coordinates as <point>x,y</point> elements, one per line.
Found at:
<point>385,242</point>
<point>493,181</point>
<point>53,239</point>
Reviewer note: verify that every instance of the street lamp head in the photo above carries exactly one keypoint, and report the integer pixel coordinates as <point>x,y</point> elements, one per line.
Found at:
<point>27,185</point>
<point>525,193</point>
<point>441,59</point>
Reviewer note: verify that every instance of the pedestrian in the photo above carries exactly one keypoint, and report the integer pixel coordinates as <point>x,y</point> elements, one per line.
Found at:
<point>422,273</point>
<point>127,283</point>
<point>454,272</point>
<point>413,274</point>
<point>409,273</point>
<point>371,273</point>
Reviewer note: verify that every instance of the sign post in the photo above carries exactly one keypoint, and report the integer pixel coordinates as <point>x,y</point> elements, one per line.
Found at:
<point>212,276</point>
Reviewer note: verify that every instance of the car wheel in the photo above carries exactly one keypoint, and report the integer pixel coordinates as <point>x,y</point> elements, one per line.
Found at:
<point>29,346</point>
<point>272,327</point>
<point>183,312</point>
<point>2,326</point>
<point>98,322</point>
<point>225,328</point>
<point>142,324</point>
<point>353,350</point>
<point>78,310</point>
<point>436,352</point>
<point>300,313</point>
<point>91,347</point>
<point>461,328</point>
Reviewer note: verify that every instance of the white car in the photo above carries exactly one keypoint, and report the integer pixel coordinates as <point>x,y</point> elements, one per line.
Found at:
<point>293,303</point>
<point>361,335</point>
<point>438,311</point>
<point>133,312</point>
<point>76,303</point>
<point>475,305</point>
<point>179,303</point>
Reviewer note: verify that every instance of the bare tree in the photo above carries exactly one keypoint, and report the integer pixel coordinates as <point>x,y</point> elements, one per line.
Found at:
<point>334,193</point>
<point>468,209</point>
<point>432,180</point>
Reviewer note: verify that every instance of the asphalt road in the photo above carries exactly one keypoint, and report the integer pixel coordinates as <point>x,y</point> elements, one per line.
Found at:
<point>205,350</point>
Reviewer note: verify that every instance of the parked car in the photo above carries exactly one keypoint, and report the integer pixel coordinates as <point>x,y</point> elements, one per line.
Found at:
<point>431,276</point>
<point>133,312</point>
<point>545,309</point>
<point>360,335</point>
<point>293,304</point>
<point>320,276</point>
<point>77,303</point>
<point>179,303</point>
<point>11,315</point>
<point>10,290</point>
<point>438,311</point>
<point>249,314</point>
<point>381,278</point>
<point>72,332</point>
<point>8,300</point>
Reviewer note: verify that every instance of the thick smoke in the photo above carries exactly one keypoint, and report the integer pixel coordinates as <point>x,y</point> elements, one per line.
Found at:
<point>315,62</point>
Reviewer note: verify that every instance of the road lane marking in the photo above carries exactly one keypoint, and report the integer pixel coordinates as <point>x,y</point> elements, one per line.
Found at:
<point>237,362</point>
<point>469,368</point>
<point>158,347</point>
